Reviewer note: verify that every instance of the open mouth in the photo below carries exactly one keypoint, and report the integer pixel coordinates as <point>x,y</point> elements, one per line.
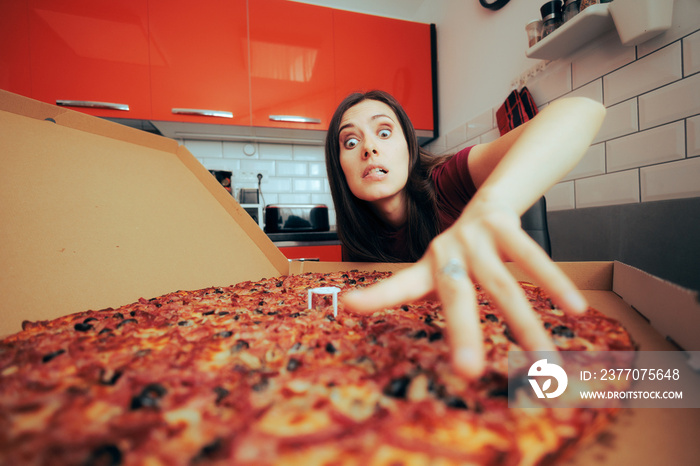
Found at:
<point>374,170</point>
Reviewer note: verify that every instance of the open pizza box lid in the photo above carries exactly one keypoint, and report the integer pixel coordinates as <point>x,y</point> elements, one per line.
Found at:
<point>96,215</point>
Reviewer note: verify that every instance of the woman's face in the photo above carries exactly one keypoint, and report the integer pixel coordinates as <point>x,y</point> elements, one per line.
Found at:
<point>373,152</point>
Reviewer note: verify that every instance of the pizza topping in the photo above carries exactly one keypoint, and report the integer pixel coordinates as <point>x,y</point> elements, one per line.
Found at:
<point>49,356</point>
<point>563,331</point>
<point>109,377</point>
<point>82,327</point>
<point>108,455</point>
<point>127,321</point>
<point>149,397</point>
<point>240,345</point>
<point>455,402</point>
<point>293,364</point>
<point>397,387</point>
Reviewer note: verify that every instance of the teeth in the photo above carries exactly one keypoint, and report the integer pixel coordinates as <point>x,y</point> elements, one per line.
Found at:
<point>379,170</point>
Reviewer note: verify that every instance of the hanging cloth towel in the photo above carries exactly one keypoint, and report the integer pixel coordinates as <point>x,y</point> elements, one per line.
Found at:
<point>518,108</point>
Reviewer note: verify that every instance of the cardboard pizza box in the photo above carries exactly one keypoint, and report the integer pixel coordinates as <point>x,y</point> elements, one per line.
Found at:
<point>95,215</point>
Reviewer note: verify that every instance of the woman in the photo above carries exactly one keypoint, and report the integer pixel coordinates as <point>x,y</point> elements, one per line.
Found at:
<point>457,216</point>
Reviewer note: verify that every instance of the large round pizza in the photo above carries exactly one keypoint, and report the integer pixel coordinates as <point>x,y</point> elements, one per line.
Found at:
<point>248,374</point>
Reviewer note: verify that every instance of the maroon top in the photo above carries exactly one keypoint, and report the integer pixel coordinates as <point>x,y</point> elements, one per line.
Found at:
<point>454,188</point>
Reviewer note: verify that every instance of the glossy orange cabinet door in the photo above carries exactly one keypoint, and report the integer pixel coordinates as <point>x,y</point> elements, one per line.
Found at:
<point>91,55</point>
<point>199,61</point>
<point>291,47</point>
<point>373,52</point>
<point>15,73</point>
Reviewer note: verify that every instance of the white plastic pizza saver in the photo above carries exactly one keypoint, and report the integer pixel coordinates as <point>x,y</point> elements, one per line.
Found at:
<point>334,290</point>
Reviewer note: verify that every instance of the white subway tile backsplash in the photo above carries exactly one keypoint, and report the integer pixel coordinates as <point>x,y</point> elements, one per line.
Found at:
<point>592,90</point>
<point>655,70</point>
<point>479,125</point>
<point>686,18</point>
<point>691,54</point>
<point>561,197</point>
<point>237,150</point>
<point>620,119</point>
<point>276,185</point>
<point>266,167</point>
<point>693,136</point>
<point>553,83</point>
<point>325,199</point>
<point>286,198</point>
<point>317,169</point>
<point>456,137</point>
<point>599,58</point>
<point>592,163</point>
<point>275,151</point>
<point>438,146</point>
<point>309,153</point>
<point>487,137</point>
<point>308,185</point>
<point>674,180</point>
<point>678,100</point>
<point>610,189</point>
<point>220,164</point>
<point>657,145</point>
<point>292,169</point>
<point>205,149</point>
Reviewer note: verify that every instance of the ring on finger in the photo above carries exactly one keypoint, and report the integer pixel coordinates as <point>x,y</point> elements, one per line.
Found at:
<point>453,270</point>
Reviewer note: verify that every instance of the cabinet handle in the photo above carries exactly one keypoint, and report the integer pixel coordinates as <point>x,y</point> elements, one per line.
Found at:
<point>93,104</point>
<point>294,119</point>
<point>202,112</point>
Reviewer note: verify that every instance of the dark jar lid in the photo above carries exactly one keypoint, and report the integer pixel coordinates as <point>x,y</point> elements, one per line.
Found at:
<point>551,10</point>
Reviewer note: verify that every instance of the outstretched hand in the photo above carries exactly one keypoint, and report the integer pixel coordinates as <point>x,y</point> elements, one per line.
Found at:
<point>473,250</point>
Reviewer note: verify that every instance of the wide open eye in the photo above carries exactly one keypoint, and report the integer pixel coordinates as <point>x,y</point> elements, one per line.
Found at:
<point>350,143</point>
<point>384,133</point>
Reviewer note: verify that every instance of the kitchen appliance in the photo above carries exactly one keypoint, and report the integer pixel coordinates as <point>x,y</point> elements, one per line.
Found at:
<point>280,218</point>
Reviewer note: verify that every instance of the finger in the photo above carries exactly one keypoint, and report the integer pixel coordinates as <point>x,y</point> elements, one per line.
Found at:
<point>404,286</point>
<point>535,261</point>
<point>510,297</point>
<point>458,298</point>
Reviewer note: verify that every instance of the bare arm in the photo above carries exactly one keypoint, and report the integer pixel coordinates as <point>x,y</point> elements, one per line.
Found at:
<point>519,167</point>
<point>511,174</point>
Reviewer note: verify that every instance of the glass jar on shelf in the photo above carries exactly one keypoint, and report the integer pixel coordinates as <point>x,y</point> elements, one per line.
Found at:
<point>570,9</point>
<point>551,17</point>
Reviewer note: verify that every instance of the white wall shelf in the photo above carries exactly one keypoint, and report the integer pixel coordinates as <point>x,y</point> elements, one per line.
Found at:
<point>636,21</point>
<point>586,26</point>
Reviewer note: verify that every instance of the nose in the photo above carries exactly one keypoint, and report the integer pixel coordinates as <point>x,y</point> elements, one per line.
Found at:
<point>369,149</point>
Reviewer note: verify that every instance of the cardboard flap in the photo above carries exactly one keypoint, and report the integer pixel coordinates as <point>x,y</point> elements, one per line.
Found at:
<point>673,311</point>
<point>19,105</point>
<point>89,221</point>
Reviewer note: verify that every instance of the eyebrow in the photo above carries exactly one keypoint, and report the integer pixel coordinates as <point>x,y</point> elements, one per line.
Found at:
<point>374,117</point>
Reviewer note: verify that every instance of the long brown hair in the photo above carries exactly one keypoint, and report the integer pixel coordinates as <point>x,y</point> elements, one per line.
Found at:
<point>359,229</point>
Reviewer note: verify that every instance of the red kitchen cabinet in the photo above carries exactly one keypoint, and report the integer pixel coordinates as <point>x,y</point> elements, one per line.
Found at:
<point>325,253</point>
<point>291,55</point>
<point>199,61</point>
<point>373,52</point>
<point>91,55</point>
<point>15,75</point>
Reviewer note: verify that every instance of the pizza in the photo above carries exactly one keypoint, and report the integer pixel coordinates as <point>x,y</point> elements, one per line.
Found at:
<point>249,374</point>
